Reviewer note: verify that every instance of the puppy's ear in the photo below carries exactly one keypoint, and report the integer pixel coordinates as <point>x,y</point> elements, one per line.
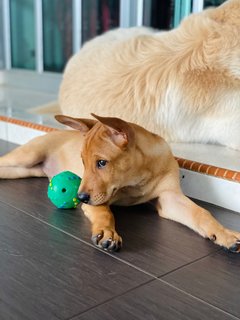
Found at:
<point>83,125</point>
<point>121,133</point>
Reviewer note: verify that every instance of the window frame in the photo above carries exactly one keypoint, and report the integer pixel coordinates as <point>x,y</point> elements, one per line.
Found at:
<point>131,14</point>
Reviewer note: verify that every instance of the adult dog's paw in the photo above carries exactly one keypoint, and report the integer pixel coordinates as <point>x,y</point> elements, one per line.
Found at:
<point>107,239</point>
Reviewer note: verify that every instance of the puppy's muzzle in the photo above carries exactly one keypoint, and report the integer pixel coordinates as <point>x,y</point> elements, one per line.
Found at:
<point>84,197</point>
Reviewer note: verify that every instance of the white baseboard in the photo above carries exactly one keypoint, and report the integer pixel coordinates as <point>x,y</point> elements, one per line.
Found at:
<point>221,192</point>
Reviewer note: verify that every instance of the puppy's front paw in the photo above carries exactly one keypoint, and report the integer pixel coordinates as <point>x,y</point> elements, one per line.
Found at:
<point>233,241</point>
<point>228,239</point>
<point>107,239</point>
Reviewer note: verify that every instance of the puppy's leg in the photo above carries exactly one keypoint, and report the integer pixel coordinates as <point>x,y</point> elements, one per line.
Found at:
<point>104,234</point>
<point>24,161</point>
<point>20,172</point>
<point>177,207</point>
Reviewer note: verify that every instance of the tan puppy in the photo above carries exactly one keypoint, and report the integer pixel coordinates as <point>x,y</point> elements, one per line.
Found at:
<point>124,164</point>
<point>183,84</point>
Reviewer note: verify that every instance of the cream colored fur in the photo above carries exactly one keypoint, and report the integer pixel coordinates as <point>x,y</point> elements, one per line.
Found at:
<point>183,84</point>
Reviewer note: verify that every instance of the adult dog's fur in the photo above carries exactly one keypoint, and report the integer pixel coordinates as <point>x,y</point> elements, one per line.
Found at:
<point>183,84</point>
<point>124,164</point>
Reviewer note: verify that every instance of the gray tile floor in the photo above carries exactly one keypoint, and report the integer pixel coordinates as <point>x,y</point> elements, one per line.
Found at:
<point>50,269</point>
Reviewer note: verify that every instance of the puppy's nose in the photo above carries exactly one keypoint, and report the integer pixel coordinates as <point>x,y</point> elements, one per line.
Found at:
<point>84,197</point>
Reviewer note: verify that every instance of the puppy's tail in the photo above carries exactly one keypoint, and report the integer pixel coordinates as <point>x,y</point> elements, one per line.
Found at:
<point>48,108</point>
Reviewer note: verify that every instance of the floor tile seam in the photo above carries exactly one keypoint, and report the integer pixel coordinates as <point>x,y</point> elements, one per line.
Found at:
<point>154,276</point>
<point>124,262</point>
<point>233,317</point>
<point>190,263</point>
<point>197,299</point>
<point>110,299</point>
<point>83,241</point>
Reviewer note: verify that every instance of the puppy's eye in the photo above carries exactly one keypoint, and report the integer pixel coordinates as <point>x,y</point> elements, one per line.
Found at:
<point>101,164</point>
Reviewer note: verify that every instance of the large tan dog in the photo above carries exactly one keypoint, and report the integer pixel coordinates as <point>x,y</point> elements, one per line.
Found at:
<point>183,84</point>
<point>123,164</point>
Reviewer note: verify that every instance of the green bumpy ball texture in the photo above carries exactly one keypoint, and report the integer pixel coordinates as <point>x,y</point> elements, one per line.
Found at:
<point>63,189</point>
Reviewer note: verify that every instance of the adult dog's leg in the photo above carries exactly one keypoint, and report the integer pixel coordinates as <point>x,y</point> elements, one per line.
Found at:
<point>177,207</point>
<point>104,234</point>
<point>24,161</point>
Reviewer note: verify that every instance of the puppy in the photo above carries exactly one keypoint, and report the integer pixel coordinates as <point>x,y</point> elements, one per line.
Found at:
<point>123,164</point>
<point>183,84</point>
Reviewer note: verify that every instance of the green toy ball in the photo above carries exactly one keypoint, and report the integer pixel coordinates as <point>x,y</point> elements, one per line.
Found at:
<point>63,189</point>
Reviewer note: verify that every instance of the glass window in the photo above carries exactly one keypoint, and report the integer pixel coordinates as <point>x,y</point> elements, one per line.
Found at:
<point>165,15</point>
<point>158,14</point>
<point>99,16</point>
<point>213,3</point>
<point>22,27</point>
<point>57,34</point>
<point>2,64</point>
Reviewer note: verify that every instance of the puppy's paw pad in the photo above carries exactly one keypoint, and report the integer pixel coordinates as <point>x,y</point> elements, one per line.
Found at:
<point>96,238</point>
<point>235,248</point>
<point>111,245</point>
<point>107,240</point>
